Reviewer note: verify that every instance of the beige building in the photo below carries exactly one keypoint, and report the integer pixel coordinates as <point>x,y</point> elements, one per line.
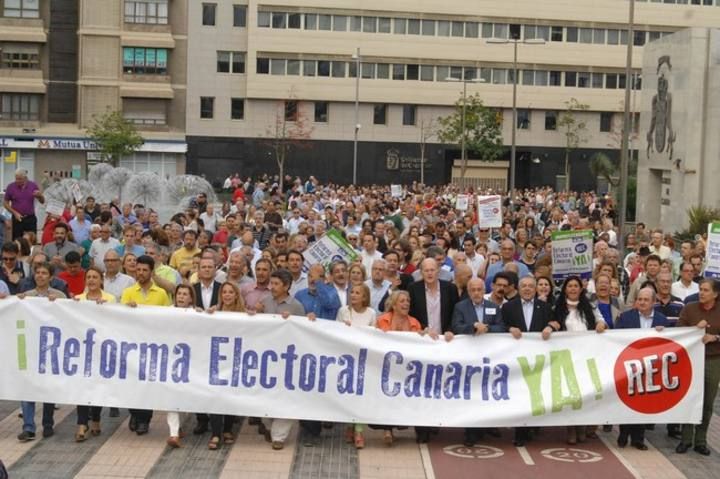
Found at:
<point>65,61</point>
<point>252,63</point>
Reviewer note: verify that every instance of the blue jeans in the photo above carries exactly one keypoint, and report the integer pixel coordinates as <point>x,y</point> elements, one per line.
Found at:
<point>28,412</point>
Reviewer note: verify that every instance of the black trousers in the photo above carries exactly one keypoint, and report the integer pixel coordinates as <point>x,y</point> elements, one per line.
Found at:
<point>311,427</point>
<point>636,432</point>
<point>28,223</point>
<point>142,415</point>
<point>220,423</point>
<point>88,413</point>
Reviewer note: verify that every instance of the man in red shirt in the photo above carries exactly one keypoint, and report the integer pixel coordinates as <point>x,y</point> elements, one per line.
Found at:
<point>73,274</point>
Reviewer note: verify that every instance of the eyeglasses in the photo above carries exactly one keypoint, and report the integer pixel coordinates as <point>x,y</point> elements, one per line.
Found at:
<point>6,258</point>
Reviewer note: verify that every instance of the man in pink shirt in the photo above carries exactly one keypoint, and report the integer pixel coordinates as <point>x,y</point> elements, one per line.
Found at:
<point>19,200</point>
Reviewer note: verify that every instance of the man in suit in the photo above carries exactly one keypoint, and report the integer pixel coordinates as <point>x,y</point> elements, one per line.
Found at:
<point>523,314</point>
<point>432,302</point>
<point>207,291</point>
<point>644,316</point>
<point>476,315</point>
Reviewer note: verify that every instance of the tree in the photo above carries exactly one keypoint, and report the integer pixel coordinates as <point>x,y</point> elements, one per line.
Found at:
<point>291,129</point>
<point>575,130</point>
<point>428,130</point>
<point>115,136</point>
<point>602,166</point>
<point>483,131</point>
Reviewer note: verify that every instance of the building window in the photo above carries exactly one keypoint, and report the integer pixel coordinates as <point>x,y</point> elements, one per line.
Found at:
<point>409,115</point>
<point>523,119</point>
<point>20,57</point>
<point>208,14</point>
<point>240,16</point>
<point>321,112</point>
<point>207,107</point>
<point>237,108</point>
<point>556,34</point>
<point>22,8</point>
<point>264,20</point>
<point>145,61</point>
<point>262,66</point>
<point>145,111</point>
<point>380,114</point>
<point>230,62</point>
<point>291,110</point>
<point>606,121</point>
<point>277,66</point>
<point>295,20</point>
<point>19,106</point>
<point>146,11</point>
<point>279,20</point>
<point>551,120</point>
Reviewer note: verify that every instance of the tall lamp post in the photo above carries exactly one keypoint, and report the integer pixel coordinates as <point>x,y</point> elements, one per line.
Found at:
<point>514,41</point>
<point>356,57</point>
<point>629,80</point>
<point>463,149</point>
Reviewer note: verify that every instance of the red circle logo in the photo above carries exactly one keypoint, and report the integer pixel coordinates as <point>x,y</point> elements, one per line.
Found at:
<point>652,375</point>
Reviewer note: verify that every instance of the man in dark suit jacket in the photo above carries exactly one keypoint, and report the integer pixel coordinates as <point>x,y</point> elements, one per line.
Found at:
<point>476,315</point>
<point>526,313</point>
<point>432,302</point>
<point>643,315</point>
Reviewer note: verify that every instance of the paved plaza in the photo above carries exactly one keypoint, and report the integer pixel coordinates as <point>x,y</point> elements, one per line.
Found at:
<point>118,453</point>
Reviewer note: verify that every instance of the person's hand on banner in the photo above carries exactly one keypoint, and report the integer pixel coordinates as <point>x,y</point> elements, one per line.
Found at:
<point>600,326</point>
<point>449,336</point>
<point>212,309</point>
<point>52,297</point>
<point>311,316</point>
<point>481,328</point>
<point>546,332</point>
<point>285,315</point>
<point>710,338</point>
<point>702,324</point>
<point>132,304</point>
<point>516,333</point>
<point>659,329</point>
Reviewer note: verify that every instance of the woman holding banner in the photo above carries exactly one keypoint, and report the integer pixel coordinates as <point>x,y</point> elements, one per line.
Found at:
<point>221,425</point>
<point>88,417</point>
<point>574,312</point>
<point>184,298</point>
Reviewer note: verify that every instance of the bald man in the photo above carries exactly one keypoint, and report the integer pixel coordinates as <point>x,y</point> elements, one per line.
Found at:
<point>463,273</point>
<point>507,255</point>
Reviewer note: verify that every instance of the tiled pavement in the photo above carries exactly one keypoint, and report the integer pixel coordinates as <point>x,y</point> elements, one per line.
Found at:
<point>119,453</point>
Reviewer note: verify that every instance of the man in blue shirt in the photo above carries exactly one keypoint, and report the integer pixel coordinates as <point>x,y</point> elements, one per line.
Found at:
<point>507,252</point>
<point>319,299</point>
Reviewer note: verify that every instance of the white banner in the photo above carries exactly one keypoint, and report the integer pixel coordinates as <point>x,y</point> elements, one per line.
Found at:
<point>177,359</point>
<point>396,191</point>
<point>462,202</point>
<point>712,267</point>
<point>572,254</point>
<point>489,211</point>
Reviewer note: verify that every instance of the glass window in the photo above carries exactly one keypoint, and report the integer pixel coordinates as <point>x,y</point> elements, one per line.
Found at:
<point>19,107</point>
<point>325,22</point>
<point>458,29</point>
<point>529,32</point>
<point>613,37</point>
<point>294,20</point>
<point>443,73</point>
<point>583,80</point>
<point>20,57</point>
<point>639,38</point>
<point>409,115</point>
<point>606,121</point>
<point>471,29</point>
<point>428,27</point>
<point>501,30</point>
<point>623,37</point>
<point>311,21</point>
<point>572,34</point>
<point>556,34</point>
<point>277,66</point>
<point>355,24</point>
<point>514,31</point>
<point>543,32</point>
<point>309,68</point>
<point>340,23</point>
<point>499,76</point>
<point>487,30</point>
<point>611,81</point>
<point>443,28</point>
<point>237,108</point>
<point>427,72</point>
<point>414,27</point>
<point>470,73</point>
<point>528,77</point>
<point>208,14</point>
<point>293,67</point>
<point>262,66</point>
<point>238,62</point>
<point>597,80</point>
<point>141,61</point>
<point>145,11</point>
<point>523,119</point>
<point>383,71</point>
<point>323,68</point>
<point>380,114</point>
<point>239,15</point>
<point>570,78</point>
<point>654,36</point>
<point>339,69</point>
<point>207,106</point>
<point>291,110</point>
<point>279,20</point>
<point>22,9</point>
<point>321,112</point>
<point>398,72</point>
<point>384,25</point>
<point>369,24</point>
<point>621,81</point>
<point>555,78</point>
<point>551,120</point>
<point>263,19</point>
<point>368,70</point>
<point>486,75</point>
<point>586,35</point>
<point>400,26</point>
<point>223,62</point>
<point>541,78</point>
<point>412,72</point>
<point>456,73</point>
<point>599,36</point>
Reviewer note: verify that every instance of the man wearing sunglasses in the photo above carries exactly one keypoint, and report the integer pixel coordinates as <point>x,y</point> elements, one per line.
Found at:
<point>11,271</point>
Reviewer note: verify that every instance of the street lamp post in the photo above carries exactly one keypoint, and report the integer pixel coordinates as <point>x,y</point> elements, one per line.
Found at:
<point>513,146</point>
<point>626,128</point>
<point>356,57</point>
<point>463,148</point>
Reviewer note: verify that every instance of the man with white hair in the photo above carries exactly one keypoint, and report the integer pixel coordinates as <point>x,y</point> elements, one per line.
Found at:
<point>377,283</point>
<point>19,201</point>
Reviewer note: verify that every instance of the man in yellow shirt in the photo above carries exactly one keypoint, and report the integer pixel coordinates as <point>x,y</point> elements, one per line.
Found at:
<point>181,260</point>
<point>144,292</point>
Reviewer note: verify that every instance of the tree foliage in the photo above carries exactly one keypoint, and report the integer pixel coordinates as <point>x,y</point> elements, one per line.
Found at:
<point>289,131</point>
<point>114,135</point>
<point>575,130</point>
<point>483,129</point>
<point>602,166</point>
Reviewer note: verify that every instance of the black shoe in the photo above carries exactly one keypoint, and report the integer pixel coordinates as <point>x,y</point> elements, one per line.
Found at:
<point>622,441</point>
<point>26,436</point>
<point>132,425</point>
<point>422,437</point>
<point>469,440</point>
<point>48,432</point>
<point>142,428</point>
<point>675,434</point>
<point>639,446</point>
<point>682,448</point>
<point>114,412</point>
<point>200,428</point>
<point>494,432</point>
<point>704,450</point>
<point>649,427</point>
<point>519,442</point>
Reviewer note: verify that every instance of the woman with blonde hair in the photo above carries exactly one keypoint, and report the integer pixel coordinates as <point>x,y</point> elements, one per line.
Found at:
<point>357,274</point>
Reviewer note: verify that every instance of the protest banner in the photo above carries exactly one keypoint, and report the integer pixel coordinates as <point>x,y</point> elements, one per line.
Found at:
<point>262,365</point>
<point>712,266</point>
<point>54,207</point>
<point>330,247</point>
<point>462,202</point>
<point>396,191</point>
<point>489,211</point>
<point>572,254</point>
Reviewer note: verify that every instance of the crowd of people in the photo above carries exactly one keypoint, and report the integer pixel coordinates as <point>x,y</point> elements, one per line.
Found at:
<point>423,267</point>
